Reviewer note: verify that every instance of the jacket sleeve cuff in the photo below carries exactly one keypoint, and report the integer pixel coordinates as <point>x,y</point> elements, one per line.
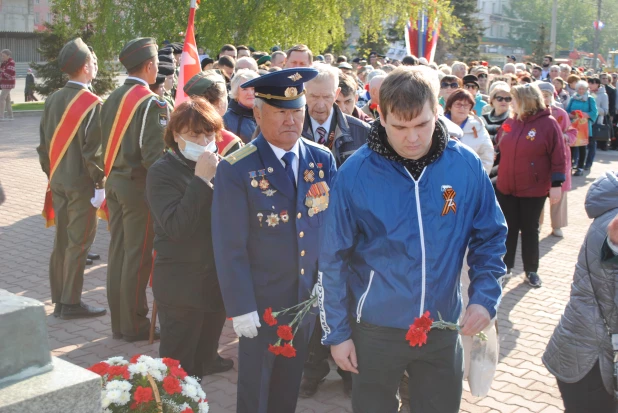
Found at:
<point>558,177</point>
<point>490,306</point>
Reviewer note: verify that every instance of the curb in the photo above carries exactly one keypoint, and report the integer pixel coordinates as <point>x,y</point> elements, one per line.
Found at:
<point>27,113</point>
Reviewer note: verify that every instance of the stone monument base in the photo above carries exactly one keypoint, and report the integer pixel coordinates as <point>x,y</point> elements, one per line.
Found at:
<point>67,388</point>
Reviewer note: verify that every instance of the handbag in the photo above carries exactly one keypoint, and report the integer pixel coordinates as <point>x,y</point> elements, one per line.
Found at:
<point>613,337</point>
<point>601,131</point>
<point>583,130</point>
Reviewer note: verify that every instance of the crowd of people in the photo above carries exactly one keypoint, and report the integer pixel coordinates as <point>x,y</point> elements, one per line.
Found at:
<point>287,177</point>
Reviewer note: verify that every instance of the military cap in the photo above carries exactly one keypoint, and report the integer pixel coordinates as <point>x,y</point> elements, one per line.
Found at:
<point>73,55</point>
<point>200,83</point>
<point>138,51</point>
<point>263,60</point>
<point>284,88</point>
<point>177,47</point>
<point>166,59</point>
<point>160,79</point>
<point>166,51</point>
<point>166,69</point>
<point>345,65</point>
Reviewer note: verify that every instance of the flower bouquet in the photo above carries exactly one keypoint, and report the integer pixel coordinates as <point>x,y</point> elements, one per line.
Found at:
<point>287,332</point>
<point>148,385</point>
<point>417,334</point>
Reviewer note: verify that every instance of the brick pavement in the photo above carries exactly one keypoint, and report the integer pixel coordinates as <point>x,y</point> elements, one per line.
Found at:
<point>527,316</point>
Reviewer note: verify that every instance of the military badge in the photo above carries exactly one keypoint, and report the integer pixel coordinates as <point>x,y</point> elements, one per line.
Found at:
<point>260,216</point>
<point>270,169</point>
<point>295,77</point>
<point>449,200</point>
<point>311,165</point>
<point>269,192</point>
<point>284,216</point>
<point>254,182</point>
<point>162,119</point>
<point>309,176</point>
<point>291,92</point>
<point>264,184</point>
<point>272,220</point>
<point>317,198</point>
<point>531,135</point>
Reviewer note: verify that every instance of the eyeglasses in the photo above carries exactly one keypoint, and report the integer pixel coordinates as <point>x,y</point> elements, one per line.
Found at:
<point>466,106</point>
<point>482,76</point>
<point>506,99</point>
<point>453,85</point>
<point>471,86</point>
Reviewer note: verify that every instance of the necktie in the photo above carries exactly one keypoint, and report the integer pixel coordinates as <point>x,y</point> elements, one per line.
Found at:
<point>322,132</point>
<point>288,158</point>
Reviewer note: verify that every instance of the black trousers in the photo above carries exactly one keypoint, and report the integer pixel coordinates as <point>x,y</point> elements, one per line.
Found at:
<point>587,395</point>
<point>190,336</point>
<point>522,214</point>
<point>316,366</point>
<point>435,370</point>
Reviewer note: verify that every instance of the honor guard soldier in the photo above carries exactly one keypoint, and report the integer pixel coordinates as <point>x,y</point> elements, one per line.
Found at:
<point>71,159</point>
<point>268,208</point>
<point>133,120</point>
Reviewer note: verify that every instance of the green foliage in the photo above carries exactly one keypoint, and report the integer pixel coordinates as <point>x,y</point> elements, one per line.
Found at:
<point>464,46</point>
<point>58,32</point>
<point>540,46</point>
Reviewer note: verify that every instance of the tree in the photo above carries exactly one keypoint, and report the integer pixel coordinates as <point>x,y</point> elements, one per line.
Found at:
<point>465,46</point>
<point>56,34</point>
<point>540,46</point>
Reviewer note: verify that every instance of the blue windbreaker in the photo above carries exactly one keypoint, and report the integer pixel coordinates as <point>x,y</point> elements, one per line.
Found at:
<point>392,246</point>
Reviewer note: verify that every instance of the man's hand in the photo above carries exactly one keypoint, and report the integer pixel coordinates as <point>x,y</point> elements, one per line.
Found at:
<point>475,320</point>
<point>246,325</point>
<point>612,230</point>
<point>344,355</point>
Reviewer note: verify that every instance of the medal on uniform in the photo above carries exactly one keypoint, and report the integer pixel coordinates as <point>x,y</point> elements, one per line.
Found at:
<point>309,176</point>
<point>269,192</point>
<point>284,216</point>
<point>254,182</point>
<point>264,184</point>
<point>260,216</point>
<point>317,198</point>
<point>311,165</point>
<point>270,169</point>
<point>272,220</point>
<point>321,173</point>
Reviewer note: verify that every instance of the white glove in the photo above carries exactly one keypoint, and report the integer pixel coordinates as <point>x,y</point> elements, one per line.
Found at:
<point>314,293</point>
<point>99,197</point>
<point>246,325</point>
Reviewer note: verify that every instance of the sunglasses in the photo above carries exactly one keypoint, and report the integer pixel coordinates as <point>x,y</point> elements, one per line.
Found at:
<point>471,86</point>
<point>507,99</point>
<point>482,76</point>
<point>453,85</point>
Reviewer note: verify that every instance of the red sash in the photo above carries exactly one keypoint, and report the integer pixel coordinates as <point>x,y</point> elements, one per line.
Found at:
<point>228,140</point>
<point>83,102</point>
<point>128,105</point>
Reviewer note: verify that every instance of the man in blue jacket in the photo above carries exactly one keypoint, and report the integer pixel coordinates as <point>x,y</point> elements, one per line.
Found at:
<point>404,209</point>
<point>267,214</point>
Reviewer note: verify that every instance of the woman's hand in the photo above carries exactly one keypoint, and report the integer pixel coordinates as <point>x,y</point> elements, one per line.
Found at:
<point>554,195</point>
<point>206,166</point>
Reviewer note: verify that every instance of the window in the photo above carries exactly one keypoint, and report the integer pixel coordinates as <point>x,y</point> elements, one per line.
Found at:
<point>36,18</point>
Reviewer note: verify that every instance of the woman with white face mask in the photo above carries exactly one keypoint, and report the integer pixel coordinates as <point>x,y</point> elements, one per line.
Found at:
<point>184,282</point>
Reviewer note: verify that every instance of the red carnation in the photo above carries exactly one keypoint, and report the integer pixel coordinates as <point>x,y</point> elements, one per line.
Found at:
<point>285,333</point>
<point>424,323</point>
<point>178,372</point>
<point>143,395</point>
<point>288,350</point>
<point>122,371</point>
<point>276,350</point>
<point>268,317</point>
<point>100,368</point>
<point>373,106</point>
<point>506,127</point>
<point>187,410</point>
<point>171,385</point>
<point>416,336</point>
<point>135,357</point>
<point>170,362</point>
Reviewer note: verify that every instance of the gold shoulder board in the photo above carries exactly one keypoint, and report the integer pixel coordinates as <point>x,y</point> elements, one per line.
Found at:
<point>240,154</point>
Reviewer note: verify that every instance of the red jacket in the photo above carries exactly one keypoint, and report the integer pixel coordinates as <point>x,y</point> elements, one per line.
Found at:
<point>7,74</point>
<point>532,155</point>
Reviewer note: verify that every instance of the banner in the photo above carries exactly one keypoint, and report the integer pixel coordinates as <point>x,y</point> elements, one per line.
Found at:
<point>190,60</point>
<point>422,41</point>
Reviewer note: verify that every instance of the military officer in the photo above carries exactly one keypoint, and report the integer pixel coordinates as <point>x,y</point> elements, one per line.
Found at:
<point>72,162</point>
<point>133,120</point>
<point>266,225</point>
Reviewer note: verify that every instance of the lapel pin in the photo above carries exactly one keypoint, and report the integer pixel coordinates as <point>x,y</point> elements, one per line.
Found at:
<point>270,169</point>
<point>311,165</point>
<point>284,216</point>
<point>260,216</point>
<point>269,192</point>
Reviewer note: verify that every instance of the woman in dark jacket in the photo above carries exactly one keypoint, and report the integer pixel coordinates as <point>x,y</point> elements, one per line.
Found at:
<point>500,101</point>
<point>239,116</point>
<point>185,284</point>
<point>532,165</point>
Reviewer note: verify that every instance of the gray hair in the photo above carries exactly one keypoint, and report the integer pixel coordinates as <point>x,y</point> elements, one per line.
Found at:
<point>376,81</point>
<point>375,73</point>
<point>446,69</point>
<point>326,73</point>
<point>6,52</point>
<point>510,67</point>
<point>565,66</point>
<point>554,67</point>
<point>581,83</point>
<point>240,77</point>
<point>249,61</point>
<point>457,65</point>
<point>496,87</point>
<point>521,66</point>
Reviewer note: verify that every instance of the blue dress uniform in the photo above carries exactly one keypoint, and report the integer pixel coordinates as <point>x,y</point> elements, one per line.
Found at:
<point>266,242</point>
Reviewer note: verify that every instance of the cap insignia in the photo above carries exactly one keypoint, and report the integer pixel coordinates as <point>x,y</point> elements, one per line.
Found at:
<point>291,92</point>
<point>295,77</point>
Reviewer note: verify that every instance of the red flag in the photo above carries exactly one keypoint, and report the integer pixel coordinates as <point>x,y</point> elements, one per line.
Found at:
<point>189,61</point>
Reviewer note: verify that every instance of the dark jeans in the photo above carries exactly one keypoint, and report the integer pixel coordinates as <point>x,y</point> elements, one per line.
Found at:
<point>190,336</point>
<point>383,354</point>
<point>522,214</point>
<point>587,395</point>
<point>316,366</point>
<point>583,156</point>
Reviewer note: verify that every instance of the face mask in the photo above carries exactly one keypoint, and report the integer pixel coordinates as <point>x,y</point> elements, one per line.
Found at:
<point>193,151</point>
